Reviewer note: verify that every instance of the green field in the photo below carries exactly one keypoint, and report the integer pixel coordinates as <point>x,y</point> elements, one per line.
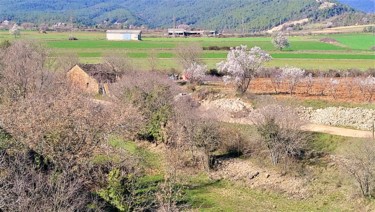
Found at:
<point>352,51</point>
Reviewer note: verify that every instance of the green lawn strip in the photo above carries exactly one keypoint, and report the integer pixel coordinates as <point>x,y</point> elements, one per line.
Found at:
<point>104,44</point>
<point>322,64</point>
<point>323,56</point>
<point>226,196</point>
<point>363,41</point>
<point>148,158</point>
<point>222,55</point>
<point>310,64</point>
<point>318,104</point>
<point>89,54</point>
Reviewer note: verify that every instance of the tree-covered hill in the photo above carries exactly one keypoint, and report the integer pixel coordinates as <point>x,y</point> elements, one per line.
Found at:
<point>246,15</point>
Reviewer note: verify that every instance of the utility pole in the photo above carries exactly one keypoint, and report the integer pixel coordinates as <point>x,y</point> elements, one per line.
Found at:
<point>243,26</point>
<point>174,25</point>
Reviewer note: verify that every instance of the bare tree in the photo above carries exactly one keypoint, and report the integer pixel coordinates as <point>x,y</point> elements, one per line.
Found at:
<point>292,76</point>
<point>349,84</point>
<point>118,63</point>
<point>25,186</point>
<point>24,69</point>
<point>188,54</point>
<point>279,127</point>
<point>309,81</point>
<point>277,79</point>
<point>321,83</point>
<point>360,164</point>
<point>367,87</point>
<point>241,66</point>
<point>64,62</point>
<point>153,60</point>
<point>333,84</point>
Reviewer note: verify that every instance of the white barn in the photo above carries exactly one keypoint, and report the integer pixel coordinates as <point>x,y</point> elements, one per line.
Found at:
<point>122,35</point>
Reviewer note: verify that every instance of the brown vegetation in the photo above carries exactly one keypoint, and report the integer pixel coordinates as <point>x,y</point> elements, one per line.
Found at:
<point>347,90</point>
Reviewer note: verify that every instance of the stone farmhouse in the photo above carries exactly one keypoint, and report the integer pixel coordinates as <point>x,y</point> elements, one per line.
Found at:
<point>92,78</point>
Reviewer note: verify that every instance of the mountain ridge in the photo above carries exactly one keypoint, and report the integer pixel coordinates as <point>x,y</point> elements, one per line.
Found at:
<point>245,15</point>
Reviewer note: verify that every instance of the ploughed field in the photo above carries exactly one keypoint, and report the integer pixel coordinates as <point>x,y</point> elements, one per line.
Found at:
<point>349,51</point>
<point>330,89</point>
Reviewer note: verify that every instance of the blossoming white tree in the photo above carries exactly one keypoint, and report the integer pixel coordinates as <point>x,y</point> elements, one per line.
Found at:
<point>195,73</point>
<point>292,76</point>
<point>280,41</point>
<point>15,30</point>
<point>241,66</point>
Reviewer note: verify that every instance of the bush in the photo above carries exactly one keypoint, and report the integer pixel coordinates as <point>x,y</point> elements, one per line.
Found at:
<point>153,94</point>
<point>360,164</point>
<point>233,143</point>
<point>279,127</point>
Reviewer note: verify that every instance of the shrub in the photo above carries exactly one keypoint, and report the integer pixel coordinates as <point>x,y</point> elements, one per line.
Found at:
<point>233,143</point>
<point>153,94</point>
<point>360,165</point>
<point>279,127</point>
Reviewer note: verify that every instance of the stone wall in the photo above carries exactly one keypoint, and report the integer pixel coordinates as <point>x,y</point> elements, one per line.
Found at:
<point>358,118</point>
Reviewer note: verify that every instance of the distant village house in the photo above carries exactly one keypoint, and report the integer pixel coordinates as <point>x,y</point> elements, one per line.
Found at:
<point>124,35</point>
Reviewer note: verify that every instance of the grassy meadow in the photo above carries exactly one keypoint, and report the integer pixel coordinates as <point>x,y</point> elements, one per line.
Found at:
<point>351,51</point>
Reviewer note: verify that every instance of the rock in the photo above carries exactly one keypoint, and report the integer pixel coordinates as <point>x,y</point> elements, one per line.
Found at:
<point>231,105</point>
<point>359,118</point>
<point>268,175</point>
<point>252,176</point>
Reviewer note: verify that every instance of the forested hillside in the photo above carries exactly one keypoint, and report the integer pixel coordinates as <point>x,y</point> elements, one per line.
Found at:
<point>247,15</point>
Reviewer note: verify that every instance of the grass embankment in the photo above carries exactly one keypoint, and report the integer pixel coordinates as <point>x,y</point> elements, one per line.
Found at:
<point>329,188</point>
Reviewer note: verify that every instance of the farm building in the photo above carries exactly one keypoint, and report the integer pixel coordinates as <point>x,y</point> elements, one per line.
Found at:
<point>92,78</point>
<point>123,35</point>
<point>185,33</point>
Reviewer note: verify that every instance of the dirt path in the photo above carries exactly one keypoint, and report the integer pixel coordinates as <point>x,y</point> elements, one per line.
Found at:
<point>224,116</point>
<point>337,131</point>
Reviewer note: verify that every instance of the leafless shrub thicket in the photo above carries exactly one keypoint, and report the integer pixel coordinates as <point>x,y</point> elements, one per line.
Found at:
<point>26,186</point>
<point>55,131</point>
<point>360,164</point>
<point>188,54</point>
<point>118,62</point>
<point>153,60</point>
<point>276,79</point>
<point>333,84</point>
<point>153,94</point>
<point>279,127</point>
<point>367,87</point>
<point>23,70</point>
<point>64,62</point>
